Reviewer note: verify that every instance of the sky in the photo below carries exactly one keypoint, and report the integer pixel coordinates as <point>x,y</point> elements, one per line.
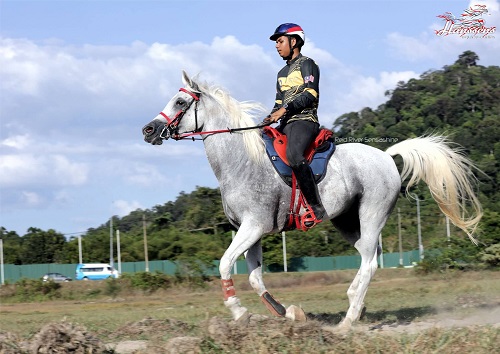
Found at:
<point>79,79</point>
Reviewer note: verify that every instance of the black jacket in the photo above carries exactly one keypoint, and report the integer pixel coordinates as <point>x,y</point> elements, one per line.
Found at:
<point>297,88</point>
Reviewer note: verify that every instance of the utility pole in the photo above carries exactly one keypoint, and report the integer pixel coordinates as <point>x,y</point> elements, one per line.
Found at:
<point>381,257</point>
<point>419,231</point>
<point>80,257</point>
<point>111,242</point>
<point>285,265</point>
<point>118,252</point>
<point>448,229</point>
<point>2,275</point>
<point>145,242</point>
<point>400,239</point>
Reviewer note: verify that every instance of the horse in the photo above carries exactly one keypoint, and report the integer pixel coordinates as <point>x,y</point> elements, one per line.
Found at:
<point>359,190</point>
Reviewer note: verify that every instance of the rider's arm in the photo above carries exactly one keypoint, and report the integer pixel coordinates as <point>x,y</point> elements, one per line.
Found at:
<point>277,112</point>
<point>310,74</point>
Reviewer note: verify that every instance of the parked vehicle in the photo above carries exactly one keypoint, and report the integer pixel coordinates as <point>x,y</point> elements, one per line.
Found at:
<point>57,277</point>
<point>95,271</point>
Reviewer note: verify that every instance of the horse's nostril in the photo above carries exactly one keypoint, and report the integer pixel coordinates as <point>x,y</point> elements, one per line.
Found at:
<point>147,130</point>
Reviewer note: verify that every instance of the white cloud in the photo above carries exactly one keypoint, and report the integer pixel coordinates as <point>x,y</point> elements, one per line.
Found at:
<point>123,207</point>
<point>370,91</point>
<point>24,170</point>
<point>31,199</point>
<point>18,142</point>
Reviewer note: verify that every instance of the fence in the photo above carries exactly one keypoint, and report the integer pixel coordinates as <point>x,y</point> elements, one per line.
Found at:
<point>303,264</point>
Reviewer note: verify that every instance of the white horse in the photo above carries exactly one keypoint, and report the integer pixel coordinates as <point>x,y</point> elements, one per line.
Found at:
<point>359,190</point>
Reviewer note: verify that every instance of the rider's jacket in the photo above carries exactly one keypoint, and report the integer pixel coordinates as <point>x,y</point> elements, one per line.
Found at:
<point>297,89</point>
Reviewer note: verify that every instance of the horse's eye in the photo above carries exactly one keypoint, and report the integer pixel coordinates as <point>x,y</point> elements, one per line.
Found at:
<point>180,102</point>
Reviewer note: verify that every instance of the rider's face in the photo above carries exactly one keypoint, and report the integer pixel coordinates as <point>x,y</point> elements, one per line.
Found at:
<point>283,46</point>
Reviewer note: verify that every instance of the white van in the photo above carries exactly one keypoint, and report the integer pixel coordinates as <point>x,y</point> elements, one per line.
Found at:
<point>95,271</point>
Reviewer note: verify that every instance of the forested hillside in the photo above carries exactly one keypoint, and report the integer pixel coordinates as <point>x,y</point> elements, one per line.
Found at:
<point>461,100</point>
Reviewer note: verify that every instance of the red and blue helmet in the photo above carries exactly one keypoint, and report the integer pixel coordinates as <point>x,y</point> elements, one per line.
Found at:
<point>288,29</point>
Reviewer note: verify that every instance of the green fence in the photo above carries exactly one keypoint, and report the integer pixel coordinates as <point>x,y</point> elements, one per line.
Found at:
<point>303,264</point>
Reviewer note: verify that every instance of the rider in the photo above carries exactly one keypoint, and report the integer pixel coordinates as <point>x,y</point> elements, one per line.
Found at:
<point>296,107</point>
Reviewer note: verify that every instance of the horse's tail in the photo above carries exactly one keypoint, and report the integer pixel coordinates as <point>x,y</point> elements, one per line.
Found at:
<point>448,174</point>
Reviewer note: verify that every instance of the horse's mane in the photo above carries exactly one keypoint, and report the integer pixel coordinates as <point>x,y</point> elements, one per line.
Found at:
<point>241,114</point>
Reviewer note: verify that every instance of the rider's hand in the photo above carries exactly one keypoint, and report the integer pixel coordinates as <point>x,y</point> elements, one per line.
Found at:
<point>275,116</point>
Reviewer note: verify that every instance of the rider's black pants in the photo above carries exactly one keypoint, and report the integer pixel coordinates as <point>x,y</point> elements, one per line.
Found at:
<point>300,134</point>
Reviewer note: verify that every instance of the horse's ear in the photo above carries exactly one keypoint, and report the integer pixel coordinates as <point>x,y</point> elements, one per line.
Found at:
<point>189,82</point>
<point>186,80</point>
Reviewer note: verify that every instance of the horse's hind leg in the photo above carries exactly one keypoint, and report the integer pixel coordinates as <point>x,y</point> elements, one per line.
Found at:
<point>349,227</point>
<point>366,245</point>
<point>357,291</point>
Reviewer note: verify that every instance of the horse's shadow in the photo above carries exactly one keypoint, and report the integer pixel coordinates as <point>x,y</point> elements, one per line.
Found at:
<point>400,316</point>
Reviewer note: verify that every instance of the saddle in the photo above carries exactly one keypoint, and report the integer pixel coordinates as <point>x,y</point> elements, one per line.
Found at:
<point>317,155</point>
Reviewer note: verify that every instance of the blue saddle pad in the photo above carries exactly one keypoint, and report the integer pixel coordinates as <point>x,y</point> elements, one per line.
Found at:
<point>318,164</point>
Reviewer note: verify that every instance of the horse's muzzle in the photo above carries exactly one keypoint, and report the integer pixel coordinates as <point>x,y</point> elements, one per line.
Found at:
<point>152,133</point>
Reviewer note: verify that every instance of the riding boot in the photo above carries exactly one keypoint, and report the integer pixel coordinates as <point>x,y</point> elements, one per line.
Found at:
<point>307,184</point>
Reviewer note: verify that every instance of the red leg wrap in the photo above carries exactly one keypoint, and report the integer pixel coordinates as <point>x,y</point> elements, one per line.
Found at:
<point>228,288</point>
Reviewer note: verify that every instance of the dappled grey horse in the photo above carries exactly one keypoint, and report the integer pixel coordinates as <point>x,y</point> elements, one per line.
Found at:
<point>359,190</point>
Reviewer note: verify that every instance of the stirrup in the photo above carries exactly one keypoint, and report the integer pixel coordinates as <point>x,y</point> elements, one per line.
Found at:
<point>309,220</point>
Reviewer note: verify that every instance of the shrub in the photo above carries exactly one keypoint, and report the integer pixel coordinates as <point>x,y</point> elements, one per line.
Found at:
<point>191,271</point>
<point>112,288</point>
<point>36,289</point>
<point>444,259</point>
<point>491,255</point>
<point>148,282</point>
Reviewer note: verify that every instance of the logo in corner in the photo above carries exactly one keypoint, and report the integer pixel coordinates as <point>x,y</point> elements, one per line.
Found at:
<point>470,24</point>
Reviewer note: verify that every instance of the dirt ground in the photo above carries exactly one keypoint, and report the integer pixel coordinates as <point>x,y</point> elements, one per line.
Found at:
<point>460,314</point>
<point>259,334</point>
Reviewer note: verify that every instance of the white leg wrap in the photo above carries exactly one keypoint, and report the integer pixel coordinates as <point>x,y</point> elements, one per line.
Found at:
<point>234,304</point>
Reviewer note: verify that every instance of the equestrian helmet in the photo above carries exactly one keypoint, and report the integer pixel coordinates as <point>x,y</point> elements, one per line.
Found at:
<point>288,29</point>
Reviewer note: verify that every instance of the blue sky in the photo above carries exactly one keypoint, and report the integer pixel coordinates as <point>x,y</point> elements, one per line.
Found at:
<point>79,79</point>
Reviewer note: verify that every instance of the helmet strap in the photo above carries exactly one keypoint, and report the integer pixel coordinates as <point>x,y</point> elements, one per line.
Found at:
<point>289,56</point>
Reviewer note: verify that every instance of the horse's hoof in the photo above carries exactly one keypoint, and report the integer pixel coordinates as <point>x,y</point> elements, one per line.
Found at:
<point>341,330</point>
<point>330,329</point>
<point>295,313</point>
<point>343,327</point>
<point>244,319</point>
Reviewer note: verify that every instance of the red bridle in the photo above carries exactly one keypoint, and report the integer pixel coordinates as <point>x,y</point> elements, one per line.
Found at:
<point>170,129</point>
<point>175,121</point>
<point>172,123</point>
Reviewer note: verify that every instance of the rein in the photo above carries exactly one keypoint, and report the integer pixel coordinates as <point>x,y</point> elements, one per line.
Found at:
<point>170,131</point>
<point>212,132</point>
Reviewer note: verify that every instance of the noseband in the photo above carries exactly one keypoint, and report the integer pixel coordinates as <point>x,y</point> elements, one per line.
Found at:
<point>170,129</point>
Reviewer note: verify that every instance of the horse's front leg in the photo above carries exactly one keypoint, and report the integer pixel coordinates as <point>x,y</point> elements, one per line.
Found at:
<point>254,264</point>
<point>247,235</point>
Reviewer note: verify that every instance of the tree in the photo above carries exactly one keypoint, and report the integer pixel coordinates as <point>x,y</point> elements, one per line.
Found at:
<point>11,246</point>
<point>467,59</point>
<point>40,246</point>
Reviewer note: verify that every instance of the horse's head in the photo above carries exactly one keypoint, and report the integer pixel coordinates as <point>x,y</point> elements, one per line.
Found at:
<point>179,116</point>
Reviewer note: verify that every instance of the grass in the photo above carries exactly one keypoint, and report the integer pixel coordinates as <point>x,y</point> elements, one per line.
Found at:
<point>394,296</point>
